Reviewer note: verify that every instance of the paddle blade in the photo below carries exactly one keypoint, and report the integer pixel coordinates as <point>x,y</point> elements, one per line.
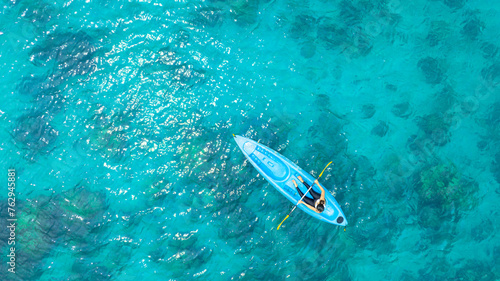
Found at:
<point>283,221</point>
<point>324,169</point>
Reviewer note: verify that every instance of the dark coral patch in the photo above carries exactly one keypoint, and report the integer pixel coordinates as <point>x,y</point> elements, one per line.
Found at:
<point>380,129</point>
<point>208,17</point>
<point>491,73</point>
<point>35,133</point>
<point>238,223</point>
<point>445,99</point>
<point>322,101</point>
<point>245,12</point>
<point>489,50</point>
<point>435,124</point>
<point>431,69</point>
<point>455,4</point>
<point>472,28</point>
<point>474,269</point>
<point>444,186</point>
<point>67,48</point>
<point>495,167</point>
<point>402,110</point>
<point>332,35</point>
<point>83,202</point>
<point>72,54</point>
<point>302,26</point>
<point>367,111</point>
<point>352,13</point>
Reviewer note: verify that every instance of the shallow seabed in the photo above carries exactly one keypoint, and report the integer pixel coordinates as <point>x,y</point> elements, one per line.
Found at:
<point>117,118</point>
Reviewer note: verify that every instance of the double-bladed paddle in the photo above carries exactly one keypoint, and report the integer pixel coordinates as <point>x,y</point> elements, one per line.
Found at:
<point>287,216</point>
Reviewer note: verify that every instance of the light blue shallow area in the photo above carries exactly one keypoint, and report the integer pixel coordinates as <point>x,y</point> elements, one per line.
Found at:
<point>118,119</point>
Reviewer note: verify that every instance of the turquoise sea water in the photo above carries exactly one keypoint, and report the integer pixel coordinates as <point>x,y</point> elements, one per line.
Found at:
<point>117,118</point>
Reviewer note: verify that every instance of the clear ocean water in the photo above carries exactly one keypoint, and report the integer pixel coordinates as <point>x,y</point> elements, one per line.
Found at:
<point>118,116</point>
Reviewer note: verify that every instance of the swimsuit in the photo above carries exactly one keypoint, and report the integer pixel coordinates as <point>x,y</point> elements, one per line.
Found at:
<point>306,199</point>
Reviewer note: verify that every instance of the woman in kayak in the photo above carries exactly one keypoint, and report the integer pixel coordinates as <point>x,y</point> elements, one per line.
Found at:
<point>318,203</point>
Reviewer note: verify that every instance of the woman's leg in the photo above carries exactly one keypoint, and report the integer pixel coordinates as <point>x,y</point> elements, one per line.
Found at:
<point>306,199</point>
<point>314,194</point>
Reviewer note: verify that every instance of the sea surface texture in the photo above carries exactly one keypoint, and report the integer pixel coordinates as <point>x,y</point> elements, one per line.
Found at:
<point>117,117</point>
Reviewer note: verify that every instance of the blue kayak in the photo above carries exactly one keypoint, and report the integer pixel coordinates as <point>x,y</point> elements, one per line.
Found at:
<point>279,171</point>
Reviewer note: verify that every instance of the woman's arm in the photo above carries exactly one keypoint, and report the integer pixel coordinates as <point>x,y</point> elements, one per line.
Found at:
<point>307,205</point>
<point>322,190</point>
